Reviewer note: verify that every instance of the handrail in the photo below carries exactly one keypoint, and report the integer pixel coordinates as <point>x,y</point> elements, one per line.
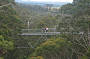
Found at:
<point>40,29</point>
<point>37,30</point>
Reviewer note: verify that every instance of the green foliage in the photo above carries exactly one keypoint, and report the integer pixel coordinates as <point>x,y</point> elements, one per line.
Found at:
<point>77,8</point>
<point>47,21</point>
<point>77,23</point>
<point>38,16</point>
<point>5,45</point>
<point>3,2</point>
<point>52,48</point>
<point>1,58</point>
<point>10,26</point>
<point>8,17</point>
<point>88,53</point>
<point>84,57</point>
<point>8,45</point>
<point>67,9</point>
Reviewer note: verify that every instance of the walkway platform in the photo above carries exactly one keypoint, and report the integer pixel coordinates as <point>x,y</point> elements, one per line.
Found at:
<point>39,34</point>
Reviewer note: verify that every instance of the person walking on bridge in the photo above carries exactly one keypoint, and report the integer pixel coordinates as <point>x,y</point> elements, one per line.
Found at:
<point>46,29</point>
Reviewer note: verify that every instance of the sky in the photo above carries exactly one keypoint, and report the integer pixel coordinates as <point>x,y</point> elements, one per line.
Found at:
<point>45,0</point>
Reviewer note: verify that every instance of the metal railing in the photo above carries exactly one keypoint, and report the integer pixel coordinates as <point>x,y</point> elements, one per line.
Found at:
<point>38,30</point>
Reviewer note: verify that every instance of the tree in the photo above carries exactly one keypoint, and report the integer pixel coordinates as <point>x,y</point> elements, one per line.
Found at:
<point>55,49</point>
<point>67,9</point>
<point>5,45</point>
<point>10,26</point>
<point>79,23</point>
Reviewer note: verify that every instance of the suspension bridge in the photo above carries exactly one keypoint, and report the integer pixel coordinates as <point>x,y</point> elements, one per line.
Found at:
<point>36,32</point>
<point>39,32</point>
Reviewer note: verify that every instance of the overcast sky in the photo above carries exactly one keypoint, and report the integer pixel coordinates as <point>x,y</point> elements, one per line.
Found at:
<point>45,0</point>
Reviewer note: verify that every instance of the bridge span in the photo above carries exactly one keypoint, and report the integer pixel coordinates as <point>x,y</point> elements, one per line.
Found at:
<point>38,32</point>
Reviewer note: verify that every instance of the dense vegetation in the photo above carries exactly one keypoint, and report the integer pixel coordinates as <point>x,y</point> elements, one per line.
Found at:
<point>10,25</point>
<point>74,28</point>
<point>72,21</point>
<point>37,15</point>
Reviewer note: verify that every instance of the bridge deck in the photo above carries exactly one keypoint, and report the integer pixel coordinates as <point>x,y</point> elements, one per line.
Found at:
<point>38,34</point>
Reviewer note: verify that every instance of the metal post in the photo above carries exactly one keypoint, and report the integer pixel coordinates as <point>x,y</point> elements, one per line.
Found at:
<point>28,23</point>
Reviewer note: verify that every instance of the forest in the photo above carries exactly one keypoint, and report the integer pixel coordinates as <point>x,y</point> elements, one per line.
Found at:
<point>72,22</point>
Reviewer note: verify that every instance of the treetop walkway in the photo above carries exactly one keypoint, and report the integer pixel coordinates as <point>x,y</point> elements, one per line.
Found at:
<point>38,32</point>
